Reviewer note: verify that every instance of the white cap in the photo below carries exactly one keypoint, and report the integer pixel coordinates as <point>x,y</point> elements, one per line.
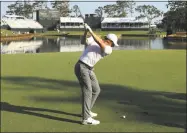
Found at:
<point>113,38</point>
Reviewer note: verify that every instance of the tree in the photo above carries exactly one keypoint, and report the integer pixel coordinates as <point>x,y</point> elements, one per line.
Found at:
<point>173,4</point>
<point>20,8</point>
<point>99,11</point>
<point>175,19</point>
<point>148,11</point>
<point>75,9</point>
<point>37,5</point>
<point>11,9</point>
<point>62,7</point>
<point>16,8</point>
<point>131,7</point>
<point>27,8</point>
<point>122,7</point>
<point>110,10</point>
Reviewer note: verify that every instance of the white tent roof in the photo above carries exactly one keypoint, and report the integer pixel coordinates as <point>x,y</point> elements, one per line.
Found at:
<point>23,23</point>
<point>123,20</point>
<point>71,20</point>
<point>13,16</point>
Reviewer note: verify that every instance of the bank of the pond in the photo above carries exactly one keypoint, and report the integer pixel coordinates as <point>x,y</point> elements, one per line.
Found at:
<point>40,93</point>
<point>103,33</point>
<point>16,37</point>
<point>8,35</point>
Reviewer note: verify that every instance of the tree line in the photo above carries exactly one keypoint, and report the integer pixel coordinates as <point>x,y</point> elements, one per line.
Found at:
<point>174,19</point>
<point>26,8</point>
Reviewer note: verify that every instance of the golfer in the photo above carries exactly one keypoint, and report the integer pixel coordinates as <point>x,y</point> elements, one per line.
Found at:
<point>96,48</point>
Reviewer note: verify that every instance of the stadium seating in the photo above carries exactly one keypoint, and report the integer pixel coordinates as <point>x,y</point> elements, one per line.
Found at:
<point>16,23</point>
<point>68,22</point>
<point>118,23</point>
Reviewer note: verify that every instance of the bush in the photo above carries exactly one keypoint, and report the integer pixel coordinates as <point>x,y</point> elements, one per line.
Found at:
<point>152,31</point>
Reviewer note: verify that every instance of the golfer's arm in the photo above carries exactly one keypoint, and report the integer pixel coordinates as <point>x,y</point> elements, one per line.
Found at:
<point>83,40</point>
<point>98,40</point>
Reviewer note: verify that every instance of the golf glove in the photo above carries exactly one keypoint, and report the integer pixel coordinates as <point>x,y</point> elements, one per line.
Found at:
<point>88,27</point>
<point>108,50</point>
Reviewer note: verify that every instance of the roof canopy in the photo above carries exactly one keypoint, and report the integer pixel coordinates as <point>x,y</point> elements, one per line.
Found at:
<point>124,20</point>
<point>13,16</point>
<point>23,23</point>
<point>71,20</point>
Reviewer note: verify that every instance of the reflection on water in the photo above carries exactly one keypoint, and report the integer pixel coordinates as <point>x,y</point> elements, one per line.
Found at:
<point>175,45</point>
<point>131,44</point>
<point>63,44</point>
<point>21,47</point>
<point>157,43</point>
<point>70,45</point>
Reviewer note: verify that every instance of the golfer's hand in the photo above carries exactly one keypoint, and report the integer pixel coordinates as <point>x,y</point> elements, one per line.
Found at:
<point>88,27</point>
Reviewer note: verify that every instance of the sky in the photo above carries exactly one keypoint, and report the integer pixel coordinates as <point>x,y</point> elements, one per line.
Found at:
<point>87,7</point>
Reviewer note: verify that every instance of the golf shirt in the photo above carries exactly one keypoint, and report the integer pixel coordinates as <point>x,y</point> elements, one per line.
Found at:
<point>93,52</point>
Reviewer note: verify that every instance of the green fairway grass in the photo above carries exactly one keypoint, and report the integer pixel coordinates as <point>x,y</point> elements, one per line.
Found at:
<point>81,32</point>
<point>40,93</point>
<point>102,33</point>
<point>6,32</point>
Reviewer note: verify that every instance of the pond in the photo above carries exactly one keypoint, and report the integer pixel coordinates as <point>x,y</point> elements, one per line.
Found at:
<point>72,44</point>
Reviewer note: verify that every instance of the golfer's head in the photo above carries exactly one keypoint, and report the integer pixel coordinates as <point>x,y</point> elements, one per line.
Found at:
<point>111,40</point>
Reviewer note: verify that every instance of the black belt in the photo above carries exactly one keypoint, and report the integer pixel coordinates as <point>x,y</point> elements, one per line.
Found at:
<point>89,67</point>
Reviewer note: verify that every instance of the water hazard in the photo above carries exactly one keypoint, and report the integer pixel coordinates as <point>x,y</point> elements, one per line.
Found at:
<point>70,44</point>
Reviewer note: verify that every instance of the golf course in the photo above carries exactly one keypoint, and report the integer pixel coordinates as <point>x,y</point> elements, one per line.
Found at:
<point>40,93</point>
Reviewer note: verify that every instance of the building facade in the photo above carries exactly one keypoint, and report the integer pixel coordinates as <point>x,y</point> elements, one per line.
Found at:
<point>124,24</point>
<point>93,21</point>
<point>71,23</point>
<point>49,18</point>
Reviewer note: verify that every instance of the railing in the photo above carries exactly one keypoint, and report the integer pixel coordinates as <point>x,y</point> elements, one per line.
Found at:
<point>73,27</point>
<point>110,27</point>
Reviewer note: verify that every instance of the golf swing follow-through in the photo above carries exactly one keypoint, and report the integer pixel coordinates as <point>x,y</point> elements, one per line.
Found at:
<point>95,49</point>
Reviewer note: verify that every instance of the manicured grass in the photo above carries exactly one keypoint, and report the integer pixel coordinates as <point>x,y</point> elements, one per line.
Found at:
<point>41,94</point>
<point>101,33</point>
<point>6,32</point>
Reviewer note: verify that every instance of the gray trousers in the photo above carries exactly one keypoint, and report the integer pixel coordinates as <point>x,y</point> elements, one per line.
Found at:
<point>89,86</point>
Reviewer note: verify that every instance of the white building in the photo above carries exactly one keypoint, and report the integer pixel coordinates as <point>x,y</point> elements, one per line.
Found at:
<point>124,24</point>
<point>71,23</point>
<point>21,24</point>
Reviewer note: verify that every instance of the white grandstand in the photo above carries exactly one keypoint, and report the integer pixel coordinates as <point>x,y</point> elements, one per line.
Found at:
<point>22,24</point>
<point>124,23</point>
<point>71,23</point>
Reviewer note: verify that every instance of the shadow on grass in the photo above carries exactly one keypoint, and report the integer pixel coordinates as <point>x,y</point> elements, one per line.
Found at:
<point>28,110</point>
<point>179,96</point>
<point>38,83</point>
<point>162,108</point>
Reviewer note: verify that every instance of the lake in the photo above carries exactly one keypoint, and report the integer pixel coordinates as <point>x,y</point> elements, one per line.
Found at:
<point>72,44</point>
